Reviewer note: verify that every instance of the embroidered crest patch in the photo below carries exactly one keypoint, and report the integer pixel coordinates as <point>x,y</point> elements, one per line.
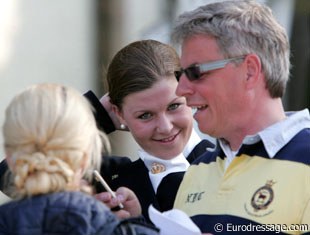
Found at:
<point>263,196</point>
<point>261,200</point>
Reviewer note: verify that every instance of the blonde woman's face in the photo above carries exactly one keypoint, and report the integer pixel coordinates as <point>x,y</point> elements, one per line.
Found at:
<point>159,120</point>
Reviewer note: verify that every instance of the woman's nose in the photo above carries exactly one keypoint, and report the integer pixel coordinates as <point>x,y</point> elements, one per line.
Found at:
<point>164,124</point>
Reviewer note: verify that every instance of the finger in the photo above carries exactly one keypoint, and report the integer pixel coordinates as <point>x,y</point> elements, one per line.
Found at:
<point>122,214</point>
<point>129,200</point>
<point>104,197</point>
<point>125,194</point>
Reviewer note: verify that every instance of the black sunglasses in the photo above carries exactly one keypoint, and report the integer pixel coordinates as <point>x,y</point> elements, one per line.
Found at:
<point>194,72</point>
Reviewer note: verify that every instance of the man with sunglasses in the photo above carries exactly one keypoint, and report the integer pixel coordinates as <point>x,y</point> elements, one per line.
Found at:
<point>235,67</point>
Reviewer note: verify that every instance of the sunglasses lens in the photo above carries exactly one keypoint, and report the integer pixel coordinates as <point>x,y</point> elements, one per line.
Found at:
<point>192,73</point>
<point>178,74</point>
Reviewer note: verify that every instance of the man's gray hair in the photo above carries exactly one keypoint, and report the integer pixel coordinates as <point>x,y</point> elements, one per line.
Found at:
<point>239,28</point>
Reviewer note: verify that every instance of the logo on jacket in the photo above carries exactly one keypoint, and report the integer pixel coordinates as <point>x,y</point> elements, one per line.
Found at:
<point>157,168</point>
<point>261,200</point>
<point>114,176</point>
<point>263,196</point>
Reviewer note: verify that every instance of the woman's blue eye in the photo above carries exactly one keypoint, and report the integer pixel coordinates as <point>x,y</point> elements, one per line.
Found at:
<point>174,106</point>
<point>145,116</point>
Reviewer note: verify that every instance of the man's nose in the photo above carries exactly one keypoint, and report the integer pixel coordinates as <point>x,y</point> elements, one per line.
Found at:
<point>184,86</point>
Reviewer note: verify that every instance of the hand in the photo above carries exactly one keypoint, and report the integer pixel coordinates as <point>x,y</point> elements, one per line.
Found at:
<point>127,197</point>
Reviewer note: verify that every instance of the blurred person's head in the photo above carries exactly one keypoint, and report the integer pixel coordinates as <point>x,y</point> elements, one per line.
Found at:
<point>51,140</point>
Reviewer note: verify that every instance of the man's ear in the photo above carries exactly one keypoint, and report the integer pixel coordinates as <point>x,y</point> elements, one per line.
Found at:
<point>253,70</point>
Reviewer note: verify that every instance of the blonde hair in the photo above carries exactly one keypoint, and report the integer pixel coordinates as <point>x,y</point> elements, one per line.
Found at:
<point>49,134</point>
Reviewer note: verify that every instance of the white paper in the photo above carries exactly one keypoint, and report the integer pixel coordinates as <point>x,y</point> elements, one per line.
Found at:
<point>4,198</point>
<point>173,222</point>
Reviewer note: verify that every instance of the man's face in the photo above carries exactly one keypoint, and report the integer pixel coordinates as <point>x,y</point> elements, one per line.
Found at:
<point>218,95</point>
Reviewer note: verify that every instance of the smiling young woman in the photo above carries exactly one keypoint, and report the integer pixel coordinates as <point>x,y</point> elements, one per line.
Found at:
<point>142,97</point>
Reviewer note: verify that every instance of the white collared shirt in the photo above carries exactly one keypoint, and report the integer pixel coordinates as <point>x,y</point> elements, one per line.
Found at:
<point>176,164</point>
<point>164,167</point>
<point>194,139</point>
<point>274,137</point>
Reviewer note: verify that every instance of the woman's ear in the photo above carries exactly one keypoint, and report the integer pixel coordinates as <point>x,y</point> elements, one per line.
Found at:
<point>253,70</point>
<point>119,114</point>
